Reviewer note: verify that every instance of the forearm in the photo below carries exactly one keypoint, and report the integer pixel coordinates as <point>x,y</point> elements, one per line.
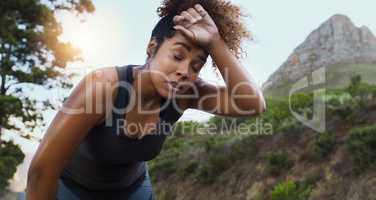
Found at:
<point>241,88</point>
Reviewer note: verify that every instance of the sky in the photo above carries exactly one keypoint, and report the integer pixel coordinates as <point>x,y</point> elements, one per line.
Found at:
<point>118,32</point>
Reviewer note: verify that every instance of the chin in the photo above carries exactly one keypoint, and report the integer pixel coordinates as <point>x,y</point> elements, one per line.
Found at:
<point>165,92</point>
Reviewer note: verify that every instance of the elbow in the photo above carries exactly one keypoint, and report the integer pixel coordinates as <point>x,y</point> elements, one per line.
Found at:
<point>34,175</point>
<point>257,107</point>
<point>41,184</point>
<point>37,176</point>
<point>261,106</point>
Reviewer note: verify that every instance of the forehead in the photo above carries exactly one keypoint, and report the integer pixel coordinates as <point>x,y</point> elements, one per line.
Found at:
<point>180,40</point>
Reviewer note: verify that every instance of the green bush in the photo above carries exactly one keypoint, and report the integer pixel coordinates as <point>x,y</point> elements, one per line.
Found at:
<point>221,154</point>
<point>291,127</point>
<point>167,161</point>
<point>361,146</point>
<point>324,144</point>
<point>291,190</point>
<point>354,85</point>
<point>361,91</point>
<point>302,102</point>
<point>320,148</point>
<point>189,168</point>
<point>215,142</point>
<point>276,112</point>
<point>217,156</point>
<point>244,148</point>
<point>278,162</point>
<point>311,178</point>
<point>205,173</point>
<point>10,157</point>
<point>344,109</point>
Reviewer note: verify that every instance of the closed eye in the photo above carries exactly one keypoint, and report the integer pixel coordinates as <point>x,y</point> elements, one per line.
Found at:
<point>196,68</point>
<point>178,58</point>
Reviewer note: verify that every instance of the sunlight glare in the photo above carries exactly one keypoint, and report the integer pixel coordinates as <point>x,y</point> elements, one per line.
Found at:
<point>97,37</point>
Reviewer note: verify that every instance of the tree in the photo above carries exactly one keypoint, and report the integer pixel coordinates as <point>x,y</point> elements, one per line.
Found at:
<point>10,157</point>
<point>32,55</point>
<point>355,83</point>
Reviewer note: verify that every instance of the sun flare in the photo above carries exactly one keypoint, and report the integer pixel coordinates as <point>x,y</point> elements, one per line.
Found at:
<point>97,37</point>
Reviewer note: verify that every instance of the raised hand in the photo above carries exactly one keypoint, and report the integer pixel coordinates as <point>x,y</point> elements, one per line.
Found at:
<point>196,24</point>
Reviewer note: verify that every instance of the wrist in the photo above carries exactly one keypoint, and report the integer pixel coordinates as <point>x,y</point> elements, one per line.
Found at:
<point>214,43</point>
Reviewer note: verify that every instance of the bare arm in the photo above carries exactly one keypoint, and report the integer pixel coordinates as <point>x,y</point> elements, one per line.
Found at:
<point>69,126</point>
<point>240,96</point>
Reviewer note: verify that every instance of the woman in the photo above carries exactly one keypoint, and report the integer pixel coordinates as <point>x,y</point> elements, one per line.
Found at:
<point>97,144</point>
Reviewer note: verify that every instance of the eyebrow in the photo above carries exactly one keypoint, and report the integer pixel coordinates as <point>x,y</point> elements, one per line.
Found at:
<point>184,45</point>
<point>203,58</point>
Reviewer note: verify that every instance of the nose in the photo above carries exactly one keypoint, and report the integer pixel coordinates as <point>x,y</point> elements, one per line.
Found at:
<point>182,72</point>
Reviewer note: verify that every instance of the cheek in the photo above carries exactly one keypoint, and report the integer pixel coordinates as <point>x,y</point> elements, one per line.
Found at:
<point>161,71</point>
<point>159,76</point>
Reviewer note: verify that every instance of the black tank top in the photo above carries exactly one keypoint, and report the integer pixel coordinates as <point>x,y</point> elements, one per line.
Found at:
<point>106,158</point>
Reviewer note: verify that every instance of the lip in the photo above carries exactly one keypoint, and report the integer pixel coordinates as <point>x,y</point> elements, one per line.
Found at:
<point>173,86</point>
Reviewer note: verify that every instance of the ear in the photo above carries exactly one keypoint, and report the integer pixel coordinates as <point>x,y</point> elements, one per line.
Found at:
<point>152,45</point>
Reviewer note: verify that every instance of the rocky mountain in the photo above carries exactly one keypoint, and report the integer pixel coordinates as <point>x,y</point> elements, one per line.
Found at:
<point>336,42</point>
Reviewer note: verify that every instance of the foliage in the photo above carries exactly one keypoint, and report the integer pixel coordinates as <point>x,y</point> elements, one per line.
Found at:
<point>300,102</point>
<point>277,111</point>
<point>320,148</point>
<point>31,54</point>
<point>291,126</point>
<point>202,157</point>
<point>361,146</point>
<point>166,161</point>
<point>354,84</point>
<point>222,153</point>
<point>291,190</point>
<point>324,144</point>
<point>361,91</point>
<point>10,157</point>
<point>278,162</point>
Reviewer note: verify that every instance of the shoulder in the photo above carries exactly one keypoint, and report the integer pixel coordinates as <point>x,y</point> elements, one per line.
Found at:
<point>104,75</point>
<point>103,80</point>
<point>99,86</point>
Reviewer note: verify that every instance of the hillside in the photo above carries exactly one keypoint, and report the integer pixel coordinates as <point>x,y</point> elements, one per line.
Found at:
<point>292,163</point>
<point>338,45</point>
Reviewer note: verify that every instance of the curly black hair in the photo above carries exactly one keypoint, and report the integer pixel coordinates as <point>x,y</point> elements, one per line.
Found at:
<point>226,15</point>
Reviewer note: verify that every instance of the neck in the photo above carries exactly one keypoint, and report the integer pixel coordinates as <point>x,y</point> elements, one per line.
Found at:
<point>145,91</point>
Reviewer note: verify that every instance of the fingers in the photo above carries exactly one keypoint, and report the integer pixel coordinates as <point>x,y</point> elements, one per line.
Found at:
<point>200,10</point>
<point>181,20</point>
<point>185,31</point>
<point>190,16</point>
<point>194,14</point>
